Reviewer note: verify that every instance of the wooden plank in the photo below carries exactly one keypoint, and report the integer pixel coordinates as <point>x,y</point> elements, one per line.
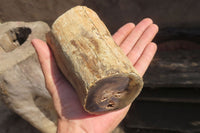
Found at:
<point>176,63</point>
<point>149,130</point>
<point>176,95</point>
<point>174,33</point>
<point>178,68</point>
<point>164,116</point>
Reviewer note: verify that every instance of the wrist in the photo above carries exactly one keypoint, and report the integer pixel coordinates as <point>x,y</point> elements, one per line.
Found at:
<point>65,126</point>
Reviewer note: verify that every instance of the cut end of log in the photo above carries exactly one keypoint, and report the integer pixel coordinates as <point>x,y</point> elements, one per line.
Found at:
<point>112,93</point>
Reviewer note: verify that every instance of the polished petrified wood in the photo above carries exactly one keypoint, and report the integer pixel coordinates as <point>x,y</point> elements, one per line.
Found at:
<point>101,74</point>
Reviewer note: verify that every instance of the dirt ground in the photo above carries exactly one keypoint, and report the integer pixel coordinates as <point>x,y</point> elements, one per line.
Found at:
<point>115,13</point>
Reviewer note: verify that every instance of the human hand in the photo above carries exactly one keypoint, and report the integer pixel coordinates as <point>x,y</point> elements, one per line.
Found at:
<point>136,43</point>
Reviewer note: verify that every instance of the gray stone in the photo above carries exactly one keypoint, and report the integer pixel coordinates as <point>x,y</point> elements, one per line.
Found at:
<point>13,123</point>
<point>22,84</point>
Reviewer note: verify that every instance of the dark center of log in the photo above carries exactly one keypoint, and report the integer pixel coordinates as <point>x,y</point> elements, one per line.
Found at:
<point>108,94</point>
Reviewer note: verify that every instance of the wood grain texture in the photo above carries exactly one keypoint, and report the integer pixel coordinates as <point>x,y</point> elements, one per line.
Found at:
<point>174,68</point>
<point>101,74</point>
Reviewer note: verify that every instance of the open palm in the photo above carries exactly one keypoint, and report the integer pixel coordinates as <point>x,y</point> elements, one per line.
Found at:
<point>136,43</point>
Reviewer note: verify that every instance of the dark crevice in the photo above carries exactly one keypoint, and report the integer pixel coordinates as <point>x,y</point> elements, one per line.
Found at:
<point>110,105</point>
<point>21,34</point>
<point>14,38</point>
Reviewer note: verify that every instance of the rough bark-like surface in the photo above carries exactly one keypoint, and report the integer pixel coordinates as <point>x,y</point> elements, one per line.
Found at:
<point>22,84</point>
<point>102,75</point>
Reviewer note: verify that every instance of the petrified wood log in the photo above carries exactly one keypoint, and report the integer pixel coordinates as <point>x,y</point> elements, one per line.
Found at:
<point>101,74</point>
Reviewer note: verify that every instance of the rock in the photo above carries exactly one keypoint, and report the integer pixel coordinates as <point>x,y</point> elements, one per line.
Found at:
<point>22,84</point>
<point>1,50</point>
<point>13,123</point>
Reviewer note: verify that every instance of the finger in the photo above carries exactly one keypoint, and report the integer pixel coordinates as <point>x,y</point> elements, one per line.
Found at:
<point>123,32</point>
<point>145,39</point>
<point>47,63</point>
<point>143,62</point>
<point>133,37</point>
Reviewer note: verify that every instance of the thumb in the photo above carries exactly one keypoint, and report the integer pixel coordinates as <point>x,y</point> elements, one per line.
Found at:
<point>47,62</point>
